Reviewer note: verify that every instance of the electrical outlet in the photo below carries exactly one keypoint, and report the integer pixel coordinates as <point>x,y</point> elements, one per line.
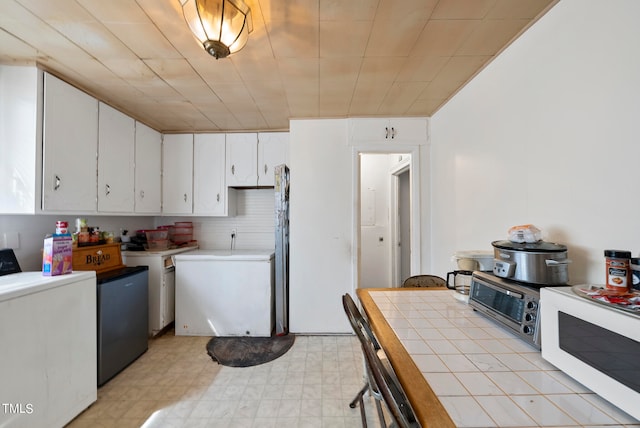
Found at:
<point>11,240</point>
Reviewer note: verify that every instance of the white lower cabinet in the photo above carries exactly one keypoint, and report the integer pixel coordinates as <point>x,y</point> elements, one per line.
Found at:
<point>211,196</point>
<point>161,284</point>
<point>177,174</point>
<point>70,146</point>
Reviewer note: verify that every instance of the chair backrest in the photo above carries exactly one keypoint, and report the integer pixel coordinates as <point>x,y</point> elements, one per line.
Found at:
<point>382,376</point>
<point>424,281</point>
<point>359,324</point>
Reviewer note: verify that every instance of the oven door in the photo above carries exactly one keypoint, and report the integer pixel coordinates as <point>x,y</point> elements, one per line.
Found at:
<point>596,345</point>
<point>512,305</point>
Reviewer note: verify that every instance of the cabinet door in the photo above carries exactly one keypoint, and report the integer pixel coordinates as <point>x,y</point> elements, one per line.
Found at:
<point>70,147</point>
<point>168,296</point>
<point>19,165</point>
<point>273,148</point>
<point>242,159</point>
<point>209,184</point>
<point>116,134</point>
<point>368,130</point>
<point>177,174</point>
<point>409,130</point>
<point>148,170</point>
<point>398,130</point>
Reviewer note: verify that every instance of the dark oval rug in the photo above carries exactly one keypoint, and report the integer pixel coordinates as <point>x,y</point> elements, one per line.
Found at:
<point>243,351</point>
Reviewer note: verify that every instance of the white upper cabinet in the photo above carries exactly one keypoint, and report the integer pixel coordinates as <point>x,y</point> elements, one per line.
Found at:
<point>242,159</point>
<point>177,174</point>
<point>251,157</point>
<point>388,130</point>
<point>148,170</point>
<point>210,193</point>
<point>70,146</point>
<point>273,150</point>
<point>116,154</point>
<point>20,127</point>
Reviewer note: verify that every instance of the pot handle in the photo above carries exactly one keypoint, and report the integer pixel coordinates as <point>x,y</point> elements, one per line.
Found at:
<point>557,263</point>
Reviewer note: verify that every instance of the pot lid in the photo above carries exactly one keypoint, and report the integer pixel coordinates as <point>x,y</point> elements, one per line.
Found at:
<point>540,246</point>
<point>473,254</point>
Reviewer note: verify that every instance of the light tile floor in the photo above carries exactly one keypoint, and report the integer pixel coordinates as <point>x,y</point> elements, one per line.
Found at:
<point>177,384</point>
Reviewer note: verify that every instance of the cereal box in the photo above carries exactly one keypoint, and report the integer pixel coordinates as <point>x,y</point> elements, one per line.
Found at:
<point>57,255</point>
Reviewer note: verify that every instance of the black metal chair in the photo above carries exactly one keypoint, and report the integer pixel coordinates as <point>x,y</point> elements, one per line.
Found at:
<point>381,380</point>
<point>424,281</point>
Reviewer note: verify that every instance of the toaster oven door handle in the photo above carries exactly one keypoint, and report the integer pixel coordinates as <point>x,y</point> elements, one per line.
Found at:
<point>503,290</point>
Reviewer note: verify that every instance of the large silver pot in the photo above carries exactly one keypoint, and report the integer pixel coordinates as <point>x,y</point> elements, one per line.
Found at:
<point>542,263</point>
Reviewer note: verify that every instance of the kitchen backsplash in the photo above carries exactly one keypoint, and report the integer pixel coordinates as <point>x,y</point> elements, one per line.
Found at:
<point>254,225</point>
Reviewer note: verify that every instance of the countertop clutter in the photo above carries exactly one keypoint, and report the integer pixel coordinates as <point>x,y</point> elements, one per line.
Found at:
<point>482,374</point>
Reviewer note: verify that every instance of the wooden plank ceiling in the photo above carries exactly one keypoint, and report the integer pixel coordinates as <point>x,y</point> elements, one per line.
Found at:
<point>304,58</point>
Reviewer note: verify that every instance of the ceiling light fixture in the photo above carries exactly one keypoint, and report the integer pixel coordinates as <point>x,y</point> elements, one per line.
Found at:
<point>221,26</point>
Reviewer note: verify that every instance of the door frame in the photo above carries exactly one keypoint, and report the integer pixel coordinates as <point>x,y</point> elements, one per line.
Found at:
<point>394,223</point>
<point>415,214</point>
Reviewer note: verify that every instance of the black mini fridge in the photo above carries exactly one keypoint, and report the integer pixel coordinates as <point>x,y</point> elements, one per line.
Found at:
<point>123,317</point>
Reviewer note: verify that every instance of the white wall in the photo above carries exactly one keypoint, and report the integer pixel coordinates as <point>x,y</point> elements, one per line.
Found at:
<point>546,134</point>
<point>320,225</point>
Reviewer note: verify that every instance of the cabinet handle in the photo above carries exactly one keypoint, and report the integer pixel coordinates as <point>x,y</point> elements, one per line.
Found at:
<point>142,194</point>
<point>107,189</point>
<point>57,185</point>
<point>218,197</point>
<point>233,169</point>
<point>185,197</point>
<point>386,132</point>
<point>265,169</point>
<point>393,133</point>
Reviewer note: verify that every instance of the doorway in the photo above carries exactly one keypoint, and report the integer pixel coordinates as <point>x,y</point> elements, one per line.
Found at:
<point>400,223</point>
<point>385,219</point>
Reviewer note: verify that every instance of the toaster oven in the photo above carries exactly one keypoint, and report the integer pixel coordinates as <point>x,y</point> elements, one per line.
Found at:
<point>512,304</point>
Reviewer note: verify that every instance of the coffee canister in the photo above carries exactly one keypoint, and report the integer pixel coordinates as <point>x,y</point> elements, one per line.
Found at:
<point>618,270</point>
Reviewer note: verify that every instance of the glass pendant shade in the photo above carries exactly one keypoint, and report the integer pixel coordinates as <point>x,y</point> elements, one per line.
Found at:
<point>221,26</point>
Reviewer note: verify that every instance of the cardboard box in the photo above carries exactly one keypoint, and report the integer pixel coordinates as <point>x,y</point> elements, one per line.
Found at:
<point>57,255</point>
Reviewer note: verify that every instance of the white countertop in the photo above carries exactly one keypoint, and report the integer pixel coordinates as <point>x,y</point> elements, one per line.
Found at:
<point>169,252</point>
<point>23,283</point>
<point>228,255</point>
<point>484,375</point>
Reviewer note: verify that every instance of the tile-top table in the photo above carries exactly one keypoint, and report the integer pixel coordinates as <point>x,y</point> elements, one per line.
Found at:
<point>461,369</point>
